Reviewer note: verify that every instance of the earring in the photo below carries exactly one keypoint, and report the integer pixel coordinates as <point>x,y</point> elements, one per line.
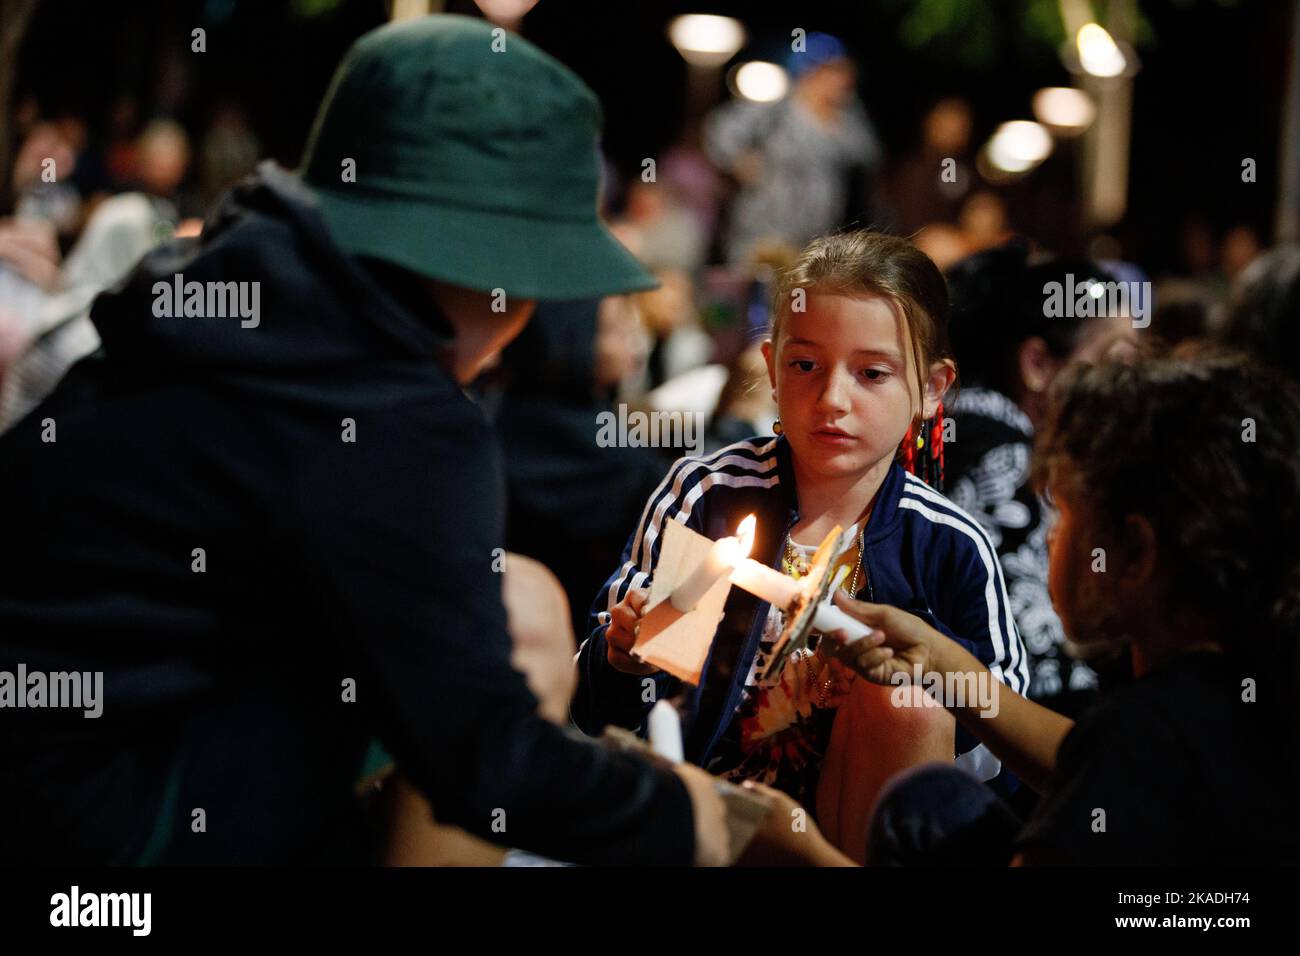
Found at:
<point>936,446</point>
<point>778,428</point>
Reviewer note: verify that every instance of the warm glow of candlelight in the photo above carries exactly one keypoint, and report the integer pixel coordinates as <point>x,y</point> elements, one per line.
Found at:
<point>721,559</point>
<point>745,532</point>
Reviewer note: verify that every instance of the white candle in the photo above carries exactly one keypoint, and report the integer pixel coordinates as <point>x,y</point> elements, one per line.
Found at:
<point>722,557</point>
<point>772,586</point>
<point>830,618</point>
<point>664,728</point>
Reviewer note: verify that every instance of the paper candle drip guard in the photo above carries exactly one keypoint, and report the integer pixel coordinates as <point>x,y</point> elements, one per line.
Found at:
<point>678,642</point>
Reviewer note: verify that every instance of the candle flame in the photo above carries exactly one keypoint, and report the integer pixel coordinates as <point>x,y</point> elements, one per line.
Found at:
<point>745,532</point>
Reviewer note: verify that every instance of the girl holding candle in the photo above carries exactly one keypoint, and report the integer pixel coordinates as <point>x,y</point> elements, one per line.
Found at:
<point>858,361</point>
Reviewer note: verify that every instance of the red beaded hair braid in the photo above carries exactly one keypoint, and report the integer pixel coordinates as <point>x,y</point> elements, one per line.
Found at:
<point>921,451</point>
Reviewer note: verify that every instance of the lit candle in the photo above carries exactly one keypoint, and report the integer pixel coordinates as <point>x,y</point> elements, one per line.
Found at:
<point>781,591</point>
<point>772,586</point>
<point>664,728</point>
<point>725,554</point>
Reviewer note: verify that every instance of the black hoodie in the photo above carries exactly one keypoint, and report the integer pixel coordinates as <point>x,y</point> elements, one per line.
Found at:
<point>202,530</point>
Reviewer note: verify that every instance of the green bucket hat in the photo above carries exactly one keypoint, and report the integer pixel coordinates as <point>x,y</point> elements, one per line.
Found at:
<point>475,162</point>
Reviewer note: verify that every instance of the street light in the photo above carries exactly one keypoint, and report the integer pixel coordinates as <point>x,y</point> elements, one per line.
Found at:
<point>1066,111</point>
<point>1018,146</point>
<point>1099,54</point>
<point>759,81</point>
<point>706,40</point>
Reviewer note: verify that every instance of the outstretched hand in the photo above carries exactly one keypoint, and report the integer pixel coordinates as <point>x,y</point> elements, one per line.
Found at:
<point>899,642</point>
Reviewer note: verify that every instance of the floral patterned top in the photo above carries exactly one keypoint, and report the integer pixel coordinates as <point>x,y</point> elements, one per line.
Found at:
<point>782,726</point>
<point>988,476</point>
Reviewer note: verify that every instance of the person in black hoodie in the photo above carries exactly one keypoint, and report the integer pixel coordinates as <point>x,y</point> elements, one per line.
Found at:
<point>266,516</point>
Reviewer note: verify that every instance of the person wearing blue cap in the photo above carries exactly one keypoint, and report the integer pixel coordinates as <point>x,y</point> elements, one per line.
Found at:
<point>804,164</point>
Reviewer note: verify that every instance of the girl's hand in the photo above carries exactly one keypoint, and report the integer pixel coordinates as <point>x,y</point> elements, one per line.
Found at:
<point>620,636</point>
<point>899,642</point>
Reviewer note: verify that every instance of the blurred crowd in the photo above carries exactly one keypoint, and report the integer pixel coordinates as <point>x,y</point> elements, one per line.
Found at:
<point>86,208</point>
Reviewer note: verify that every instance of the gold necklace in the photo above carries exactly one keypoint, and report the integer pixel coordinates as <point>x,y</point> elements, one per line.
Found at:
<point>796,565</point>
<point>790,555</point>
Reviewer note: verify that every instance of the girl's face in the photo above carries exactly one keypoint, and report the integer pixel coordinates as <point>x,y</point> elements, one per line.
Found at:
<point>844,384</point>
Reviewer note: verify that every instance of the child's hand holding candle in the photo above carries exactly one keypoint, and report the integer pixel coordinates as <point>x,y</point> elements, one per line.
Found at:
<point>729,556</point>
<point>620,636</point>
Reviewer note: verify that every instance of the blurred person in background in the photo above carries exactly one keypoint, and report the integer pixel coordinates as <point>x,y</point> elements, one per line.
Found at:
<point>47,212</point>
<point>943,242</point>
<point>1210,258</point>
<point>699,185</point>
<point>1197,253</point>
<point>162,159</point>
<point>1182,312</point>
<point>745,406</point>
<point>29,272</point>
<point>803,165</point>
<point>29,253</point>
<point>1239,247</point>
<point>662,229</point>
<point>90,172</point>
<point>122,139</point>
<point>1009,350</point>
<point>665,235</point>
<point>981,223</point>
<point>118,234</point>
<point>43,187</point>
<point>1262,314</point>
<point>228,152</point>
<point>676,342</point>
<point>920,193</point>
